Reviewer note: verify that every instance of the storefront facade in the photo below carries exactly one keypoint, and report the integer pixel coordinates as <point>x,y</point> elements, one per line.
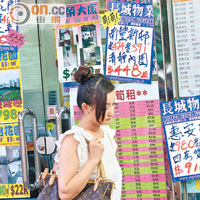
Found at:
<point>35,80</point>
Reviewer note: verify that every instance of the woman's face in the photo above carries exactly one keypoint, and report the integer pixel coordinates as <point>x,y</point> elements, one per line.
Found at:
<point>110,106</point>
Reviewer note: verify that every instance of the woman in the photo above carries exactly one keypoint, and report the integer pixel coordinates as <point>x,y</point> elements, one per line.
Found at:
<point>77,160</point>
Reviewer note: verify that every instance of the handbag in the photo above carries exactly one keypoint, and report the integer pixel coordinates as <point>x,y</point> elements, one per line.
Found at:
<point>98,189</point>
<point>48,189</point>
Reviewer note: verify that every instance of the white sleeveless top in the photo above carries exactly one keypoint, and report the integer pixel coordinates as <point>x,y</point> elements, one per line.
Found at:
<point>112,168</point>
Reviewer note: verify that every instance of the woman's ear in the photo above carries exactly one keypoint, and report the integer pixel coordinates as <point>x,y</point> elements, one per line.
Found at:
<point>84,107</point>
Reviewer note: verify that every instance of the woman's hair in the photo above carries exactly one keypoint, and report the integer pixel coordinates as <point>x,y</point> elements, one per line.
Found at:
<point>93,90</point>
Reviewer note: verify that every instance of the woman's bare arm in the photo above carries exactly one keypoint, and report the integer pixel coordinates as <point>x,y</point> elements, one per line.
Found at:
<point>70,181</point>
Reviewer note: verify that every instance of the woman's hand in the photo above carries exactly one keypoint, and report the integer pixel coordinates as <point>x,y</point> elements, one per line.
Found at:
<point>96,149</point>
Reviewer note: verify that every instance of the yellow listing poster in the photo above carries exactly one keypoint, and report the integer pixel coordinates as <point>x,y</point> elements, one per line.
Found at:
<point>11,101</point>
<point>11,182</point>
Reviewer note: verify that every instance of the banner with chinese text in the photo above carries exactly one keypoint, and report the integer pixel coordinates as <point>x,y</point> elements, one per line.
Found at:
<point>140,154</point>
<point>11,101</point>
<point>181,122</point>
<point>129,45</point>
<point>78,41</point>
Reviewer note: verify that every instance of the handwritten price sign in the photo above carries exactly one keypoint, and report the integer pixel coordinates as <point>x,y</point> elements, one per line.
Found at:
<point>14,38</point>
<point>13,190</point>
<point>129,42</point>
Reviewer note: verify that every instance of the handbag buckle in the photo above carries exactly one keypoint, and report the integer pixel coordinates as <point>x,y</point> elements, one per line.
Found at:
<point>98,179</point>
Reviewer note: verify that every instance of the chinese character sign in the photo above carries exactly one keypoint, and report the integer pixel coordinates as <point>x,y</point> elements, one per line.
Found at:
<point>79,41</point>
<point>181,122</point>
<point>109,19</point>
<point>129,44</point>
<point>9,135</point>
<point>84,12</point>
<point>137,122</point>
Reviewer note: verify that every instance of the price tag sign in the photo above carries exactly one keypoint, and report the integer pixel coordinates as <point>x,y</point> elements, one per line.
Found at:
<point>67,74</point>
<point>13,190</point>
<point>9,114</point>
<point>14,38</point>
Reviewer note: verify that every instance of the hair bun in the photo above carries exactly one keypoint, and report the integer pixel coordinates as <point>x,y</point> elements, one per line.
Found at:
<point>83,74</point>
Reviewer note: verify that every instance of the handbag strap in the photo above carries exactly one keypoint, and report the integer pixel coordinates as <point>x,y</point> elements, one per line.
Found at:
<point>100,167</point>
<point>100,175</point>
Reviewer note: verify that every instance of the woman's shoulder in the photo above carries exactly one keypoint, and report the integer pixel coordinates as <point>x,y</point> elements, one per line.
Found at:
<point>73,134</point>
<point>73,137</point>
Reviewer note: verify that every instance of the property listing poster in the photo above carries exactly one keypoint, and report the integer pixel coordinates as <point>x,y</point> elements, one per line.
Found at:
<point>181,122</point>
<point>140,153</point>
<point>11,100</point>
<point>78,41</point>
<point>129,44</point>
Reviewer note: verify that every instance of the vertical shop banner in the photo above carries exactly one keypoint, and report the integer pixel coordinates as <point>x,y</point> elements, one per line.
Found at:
<point>11,183</point>
<point>140,154</point>
<point>78,41</point>
<point>129,44</point>
<point>181,122</point>
<point>10,86</point>
<point>5,22</point>
<point>187,44</point>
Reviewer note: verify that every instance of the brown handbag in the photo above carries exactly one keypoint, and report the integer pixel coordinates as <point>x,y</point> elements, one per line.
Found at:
<point>98,189</point>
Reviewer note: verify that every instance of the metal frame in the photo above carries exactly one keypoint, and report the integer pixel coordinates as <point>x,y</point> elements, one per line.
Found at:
<point>59,112</point>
